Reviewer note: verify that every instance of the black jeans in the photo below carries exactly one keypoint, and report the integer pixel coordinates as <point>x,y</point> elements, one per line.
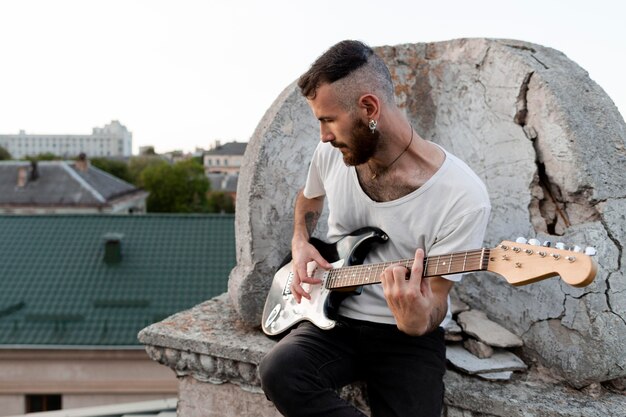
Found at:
<point>404,374</point>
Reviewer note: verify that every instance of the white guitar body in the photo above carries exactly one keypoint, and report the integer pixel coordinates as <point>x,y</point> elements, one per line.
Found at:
<point>285,312</point>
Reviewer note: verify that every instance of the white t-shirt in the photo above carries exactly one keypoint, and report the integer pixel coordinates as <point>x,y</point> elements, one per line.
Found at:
<point>449,213</point>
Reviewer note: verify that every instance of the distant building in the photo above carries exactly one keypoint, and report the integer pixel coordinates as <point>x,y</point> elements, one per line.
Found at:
<point>225,159</point>
<point>59,187</point>
<point>222,165</point>
<point>109,141</point>
<point>76,290</point>
<point>226,183</point>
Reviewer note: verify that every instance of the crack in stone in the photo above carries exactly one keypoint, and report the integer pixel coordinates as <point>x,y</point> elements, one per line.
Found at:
<point>522,102</point>
<point>551,211</point>
<point>542,180</point>
<point>620,250</point>
<point>608,299</point>
<point>521,47</point>
<point>532,51</point>
<point>483,59</point>
<point>539,61</point>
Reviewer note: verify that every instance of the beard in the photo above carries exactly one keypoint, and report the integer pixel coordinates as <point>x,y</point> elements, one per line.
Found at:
<point>363,144</point>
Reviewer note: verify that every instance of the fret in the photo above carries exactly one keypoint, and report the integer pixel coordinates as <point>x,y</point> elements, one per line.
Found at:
<point>355,275</point>
<point>483,264</point>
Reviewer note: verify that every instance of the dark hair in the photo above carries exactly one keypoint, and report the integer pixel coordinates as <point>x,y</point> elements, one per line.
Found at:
<point>338,62</point>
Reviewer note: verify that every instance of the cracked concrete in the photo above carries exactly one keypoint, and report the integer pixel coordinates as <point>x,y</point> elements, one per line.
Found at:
<point>551,148</point>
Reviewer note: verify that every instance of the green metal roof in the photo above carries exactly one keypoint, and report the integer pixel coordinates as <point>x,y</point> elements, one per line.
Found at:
<point>58,288</point>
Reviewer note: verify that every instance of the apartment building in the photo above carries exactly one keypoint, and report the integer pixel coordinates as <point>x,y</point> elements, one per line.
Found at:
<point>113,139</point>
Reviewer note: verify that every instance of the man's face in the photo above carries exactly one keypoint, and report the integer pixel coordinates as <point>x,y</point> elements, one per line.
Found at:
<point>363,143</point>
<point>342,129</point>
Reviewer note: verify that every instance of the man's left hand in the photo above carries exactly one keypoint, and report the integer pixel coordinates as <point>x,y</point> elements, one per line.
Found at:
<point>419,305</point>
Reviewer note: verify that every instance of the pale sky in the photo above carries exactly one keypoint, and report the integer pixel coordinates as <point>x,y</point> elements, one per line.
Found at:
<point>181,74</point>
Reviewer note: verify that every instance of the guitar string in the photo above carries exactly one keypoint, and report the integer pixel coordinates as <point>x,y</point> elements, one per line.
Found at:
<point>451,263</point>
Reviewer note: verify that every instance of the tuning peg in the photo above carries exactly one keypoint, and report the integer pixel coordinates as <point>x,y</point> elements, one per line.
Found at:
<point>560,245</point>
<point>534,242</point>
<point>521,240</point>
<point>577,249</point>
<point>590,251</point>
<point>547,244</point>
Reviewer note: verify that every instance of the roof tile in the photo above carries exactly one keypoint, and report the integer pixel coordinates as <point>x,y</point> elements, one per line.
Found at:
<point>56,289</point>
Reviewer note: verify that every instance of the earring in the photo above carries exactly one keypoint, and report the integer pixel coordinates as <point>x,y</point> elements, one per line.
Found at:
<point>372,125</point>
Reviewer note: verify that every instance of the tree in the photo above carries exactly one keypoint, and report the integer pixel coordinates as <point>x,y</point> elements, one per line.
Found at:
<point>46,156</point>
<point>220,202</point>
<point>114,167</point>
<point>178,188</point>
<point>138,164</point>
<point>4,154</point>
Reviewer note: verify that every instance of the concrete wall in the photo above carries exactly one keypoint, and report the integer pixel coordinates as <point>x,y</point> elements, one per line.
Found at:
<point>547,141</point>
<point>83,377</point>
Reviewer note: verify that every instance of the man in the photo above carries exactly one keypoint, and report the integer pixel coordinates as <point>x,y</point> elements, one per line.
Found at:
<point>381,174</point>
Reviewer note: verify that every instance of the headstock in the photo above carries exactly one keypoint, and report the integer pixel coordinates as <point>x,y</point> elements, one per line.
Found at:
<point>522,263</point>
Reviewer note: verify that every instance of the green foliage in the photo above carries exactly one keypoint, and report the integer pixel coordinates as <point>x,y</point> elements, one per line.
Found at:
<point>149,150</point>
<point>4,154</point>
<point>114,167</point>
<point>178,188</point>
<point>46,156</point>
<point>220,202</point>
<point>138,164</point>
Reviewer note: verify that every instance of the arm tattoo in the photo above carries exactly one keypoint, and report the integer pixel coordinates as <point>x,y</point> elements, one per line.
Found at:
<point>310,220</point>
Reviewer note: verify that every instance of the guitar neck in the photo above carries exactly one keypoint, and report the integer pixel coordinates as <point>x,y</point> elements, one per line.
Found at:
<point>454,263</point>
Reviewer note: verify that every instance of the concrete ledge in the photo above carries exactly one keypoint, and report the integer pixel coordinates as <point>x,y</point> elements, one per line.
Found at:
<point>216,360</point>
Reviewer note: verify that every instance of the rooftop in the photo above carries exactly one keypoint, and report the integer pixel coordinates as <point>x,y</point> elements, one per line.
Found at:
<point>64,285</point>
<point>58,183</point>
<point>230,148</point>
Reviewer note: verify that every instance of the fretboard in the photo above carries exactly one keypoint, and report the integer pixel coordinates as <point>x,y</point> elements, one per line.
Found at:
<point>454,263</point>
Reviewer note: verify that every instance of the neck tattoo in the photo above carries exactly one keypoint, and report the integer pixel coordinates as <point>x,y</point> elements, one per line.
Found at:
<point>382,171</point>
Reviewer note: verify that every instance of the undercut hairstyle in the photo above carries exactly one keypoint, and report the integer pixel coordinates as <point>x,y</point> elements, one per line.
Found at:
<point>353,69</point>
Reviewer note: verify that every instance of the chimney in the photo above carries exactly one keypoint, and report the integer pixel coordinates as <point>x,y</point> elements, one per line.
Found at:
<point>82,164</point>
<point>113,248</point>
<point>34,172</point>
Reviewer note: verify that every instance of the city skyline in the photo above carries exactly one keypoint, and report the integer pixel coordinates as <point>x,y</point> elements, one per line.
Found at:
<point>182,74</point>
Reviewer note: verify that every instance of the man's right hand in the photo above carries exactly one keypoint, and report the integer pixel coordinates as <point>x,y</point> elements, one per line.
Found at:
<point>305,260</point>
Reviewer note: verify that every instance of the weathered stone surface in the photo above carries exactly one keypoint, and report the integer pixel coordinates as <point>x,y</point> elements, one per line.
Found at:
<point>497,376</point>
<point>457,306</point>
<point>477,324</point>
<point>457,412</point>
<point>453,332</point>
<point>273,170</point>
<point>527,398</point>
<point>209,343</point>
<point>501,360</point>
<point>551,148</point>
<point>197,399</point>
<point>452,327</point>
<point>477,348</point>
<point>213,373</point>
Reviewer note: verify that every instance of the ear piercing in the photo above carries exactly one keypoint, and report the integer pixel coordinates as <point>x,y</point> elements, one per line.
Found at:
<point>372,125</point>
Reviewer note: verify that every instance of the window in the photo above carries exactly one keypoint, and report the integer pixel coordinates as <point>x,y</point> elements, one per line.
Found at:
<point>42,402</point>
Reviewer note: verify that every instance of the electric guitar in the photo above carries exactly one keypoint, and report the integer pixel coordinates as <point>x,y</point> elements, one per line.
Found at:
<point>520,263</point>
